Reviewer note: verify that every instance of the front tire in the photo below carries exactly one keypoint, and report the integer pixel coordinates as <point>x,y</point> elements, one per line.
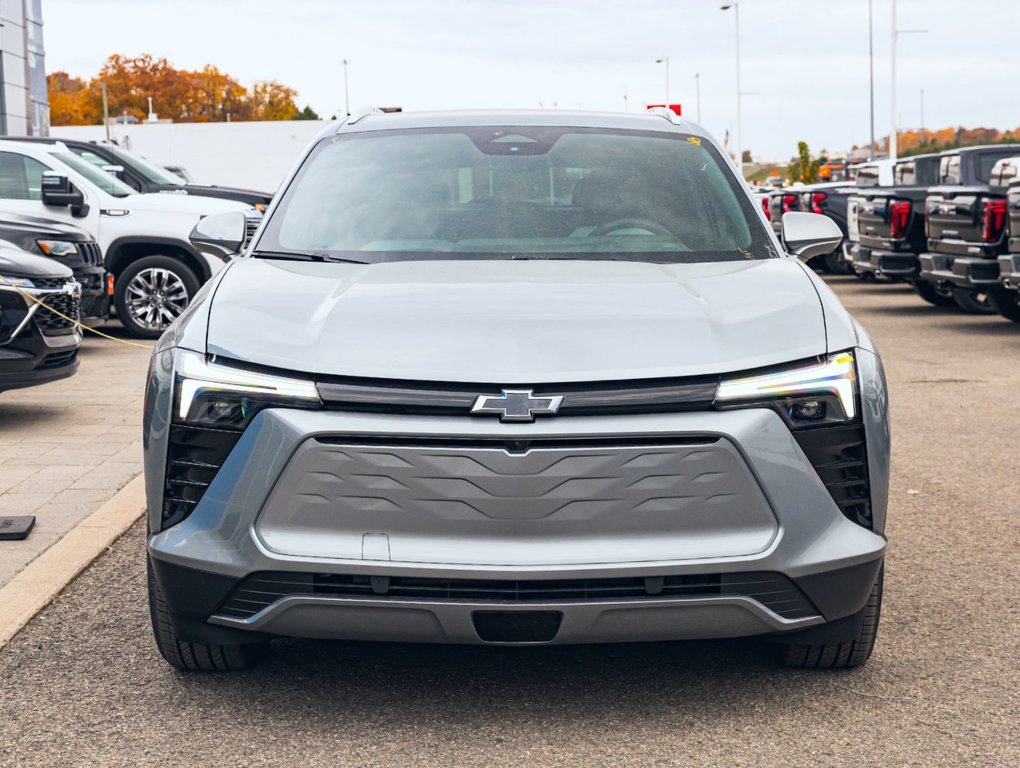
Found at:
<point>151,293</point>
<point>840,655</point>
<point>194,657</point>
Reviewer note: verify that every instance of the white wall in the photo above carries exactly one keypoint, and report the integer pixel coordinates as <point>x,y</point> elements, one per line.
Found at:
<point>254,155</point>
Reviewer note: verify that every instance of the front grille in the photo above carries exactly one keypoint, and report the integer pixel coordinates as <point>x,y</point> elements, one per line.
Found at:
<point>50,323</point>
<point>194,456</point>
<point>57,360</point>
<point>773,590</point>
<point>50,282</point>
<point>839,456</point>
<point>90,253</point>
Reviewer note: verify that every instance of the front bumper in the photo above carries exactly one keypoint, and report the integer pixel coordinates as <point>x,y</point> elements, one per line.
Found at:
<point>28,356</point>
<point>261,518</point>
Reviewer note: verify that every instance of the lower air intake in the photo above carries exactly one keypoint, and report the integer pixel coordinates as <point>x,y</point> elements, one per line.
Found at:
<point>516,626</point>
<point>839,457</point>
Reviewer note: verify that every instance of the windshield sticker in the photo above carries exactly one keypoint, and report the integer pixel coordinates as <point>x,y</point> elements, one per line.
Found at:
<point>694,140</point>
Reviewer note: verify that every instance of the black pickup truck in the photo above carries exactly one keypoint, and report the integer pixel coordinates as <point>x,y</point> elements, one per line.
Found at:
<point>1007,296</point>
<point>966,222</point>
<point>138,173</point>
<point>829,199</point>
<point>70,246</point>
<point>889,231</point>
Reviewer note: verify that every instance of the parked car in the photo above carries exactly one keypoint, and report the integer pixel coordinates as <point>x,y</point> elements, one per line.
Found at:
<point>143,176</point>
<point>183,173</point>
<point>69,245</point>
<point>1007,297</point>
<point>36,345</point>
<point>889,230</point>
<point>966,219</point>
<point>516,380</point>
<point>144,237</point>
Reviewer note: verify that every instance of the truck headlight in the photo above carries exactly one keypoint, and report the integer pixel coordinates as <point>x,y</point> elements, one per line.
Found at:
<point>209,394</point>
<point>57,247</point>
<point>807,395</point>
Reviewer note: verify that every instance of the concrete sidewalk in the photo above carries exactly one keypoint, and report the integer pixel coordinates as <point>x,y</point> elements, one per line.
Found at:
<point>67,447</point>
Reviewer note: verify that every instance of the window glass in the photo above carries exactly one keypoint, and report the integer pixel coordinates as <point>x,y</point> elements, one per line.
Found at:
<point>20,177</point>
<point>517,192</point>
<point>949,170</point>
<point>105,181</point>
<point>905,173</point>
<point>987,160</point>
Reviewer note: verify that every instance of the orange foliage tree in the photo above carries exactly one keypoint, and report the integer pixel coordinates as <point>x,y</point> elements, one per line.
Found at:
<point>206,95</point>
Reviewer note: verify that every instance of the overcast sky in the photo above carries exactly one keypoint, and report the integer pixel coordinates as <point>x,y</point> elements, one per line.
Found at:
<point>806,61</point>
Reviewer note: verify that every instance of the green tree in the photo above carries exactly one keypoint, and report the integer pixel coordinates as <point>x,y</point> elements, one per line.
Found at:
<point>306,114</point>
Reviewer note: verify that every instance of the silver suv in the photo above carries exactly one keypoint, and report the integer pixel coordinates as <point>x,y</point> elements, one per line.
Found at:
<point>516,378</point>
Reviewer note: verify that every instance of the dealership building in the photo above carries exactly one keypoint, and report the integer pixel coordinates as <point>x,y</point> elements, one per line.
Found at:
<point>24,106</point>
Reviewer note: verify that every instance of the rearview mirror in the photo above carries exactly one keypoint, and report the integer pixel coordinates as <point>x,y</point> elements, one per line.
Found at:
<point>220,236</point>
<point>57,189</point>
<point>807,235</point>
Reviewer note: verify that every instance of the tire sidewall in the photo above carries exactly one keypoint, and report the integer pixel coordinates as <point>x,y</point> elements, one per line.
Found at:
<point>170,263</point>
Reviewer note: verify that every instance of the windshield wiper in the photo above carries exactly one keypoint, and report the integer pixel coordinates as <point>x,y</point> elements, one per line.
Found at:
<point>290,256</point>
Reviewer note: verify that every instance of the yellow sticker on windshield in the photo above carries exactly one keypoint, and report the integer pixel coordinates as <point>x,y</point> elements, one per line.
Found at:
<point>694,140</point>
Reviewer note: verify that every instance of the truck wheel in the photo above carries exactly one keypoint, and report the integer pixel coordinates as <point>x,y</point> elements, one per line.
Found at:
<point>151,293</point>
<point>836,264</point>
<point>938,294</point>
<point>195,657</point>
<point>974,302</point>
<point>851,653</point>
<point>1007,302</point>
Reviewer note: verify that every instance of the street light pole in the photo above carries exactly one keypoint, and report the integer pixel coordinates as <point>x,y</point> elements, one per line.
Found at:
<point>871,82</point>
<point>892,85</point>
<point>347,100</point>
<point>665,60</point>
<point>738,152</point>
<point>697,91</point>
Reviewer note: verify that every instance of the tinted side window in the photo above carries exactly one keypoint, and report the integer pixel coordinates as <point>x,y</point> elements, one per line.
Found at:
<point>987,161</point>
<point>949,170</point>
<point>20,177</point>
<point>904,173</point>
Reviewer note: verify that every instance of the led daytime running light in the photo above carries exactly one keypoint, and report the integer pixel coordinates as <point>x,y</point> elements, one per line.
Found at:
<point>196,377</point>
<point>835,376</point>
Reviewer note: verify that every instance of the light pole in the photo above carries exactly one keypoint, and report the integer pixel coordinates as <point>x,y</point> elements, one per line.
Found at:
<point>665,60</point>
<point>738,153</point>
<point>347,100</point>
<point>697,91</point>
<point>892,85</point>
<point>871,83</point>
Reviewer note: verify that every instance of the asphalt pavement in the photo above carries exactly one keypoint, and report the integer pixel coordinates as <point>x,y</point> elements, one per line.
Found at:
<point>83,683</point>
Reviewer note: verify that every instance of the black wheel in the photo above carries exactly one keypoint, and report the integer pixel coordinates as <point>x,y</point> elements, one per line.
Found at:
<point>974,302</point>
<point>1008,303</point>
<point>850,653</point>
<point>195,657</point>
<point>151,293</point>
<point>836,264</point>
<point>938,294</point>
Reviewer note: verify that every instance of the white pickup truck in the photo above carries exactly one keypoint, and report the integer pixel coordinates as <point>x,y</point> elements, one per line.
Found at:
<point>144,237</point>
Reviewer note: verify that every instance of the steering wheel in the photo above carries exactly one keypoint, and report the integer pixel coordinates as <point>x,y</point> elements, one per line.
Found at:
<point>649,226</point>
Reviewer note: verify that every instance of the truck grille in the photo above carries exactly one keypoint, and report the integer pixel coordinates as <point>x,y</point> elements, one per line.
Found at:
<point>773,590</point>
<point>91,254</point>
<point>839,457</point>
<point>194,456</point>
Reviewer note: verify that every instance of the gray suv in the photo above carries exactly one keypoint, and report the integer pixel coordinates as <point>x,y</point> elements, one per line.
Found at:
<point>515,378</point>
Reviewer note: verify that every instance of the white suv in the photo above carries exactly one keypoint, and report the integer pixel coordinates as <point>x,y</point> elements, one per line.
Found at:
<point>144,237</point>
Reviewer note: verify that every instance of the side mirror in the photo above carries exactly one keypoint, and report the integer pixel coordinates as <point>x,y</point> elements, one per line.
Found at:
<point>807,235</point>
<point>58,190</point>
<point>115,170</point>
<point>220,236</point>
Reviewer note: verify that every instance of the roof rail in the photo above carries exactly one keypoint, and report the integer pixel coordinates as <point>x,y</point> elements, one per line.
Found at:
<point>362,114</point>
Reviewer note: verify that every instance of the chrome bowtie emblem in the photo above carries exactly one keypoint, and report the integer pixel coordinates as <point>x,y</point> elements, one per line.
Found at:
<point>517,405</point>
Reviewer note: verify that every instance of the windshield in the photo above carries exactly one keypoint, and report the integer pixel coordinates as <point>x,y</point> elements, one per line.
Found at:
<point>516,192</point>
<point>105,181</point>
<point>153,173</point>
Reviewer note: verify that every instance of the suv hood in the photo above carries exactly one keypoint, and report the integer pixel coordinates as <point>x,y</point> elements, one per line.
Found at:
<point>515,322</point>
<point>42,228</point>
<point>16,263</point>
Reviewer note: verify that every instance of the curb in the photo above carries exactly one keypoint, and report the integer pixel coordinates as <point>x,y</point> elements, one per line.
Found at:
<point>43,579</point>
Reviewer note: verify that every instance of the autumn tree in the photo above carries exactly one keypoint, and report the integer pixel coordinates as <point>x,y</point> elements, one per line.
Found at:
<point>205,95</point>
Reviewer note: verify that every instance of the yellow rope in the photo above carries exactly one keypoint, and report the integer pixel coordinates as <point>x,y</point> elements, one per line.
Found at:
<point>84,327</point>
